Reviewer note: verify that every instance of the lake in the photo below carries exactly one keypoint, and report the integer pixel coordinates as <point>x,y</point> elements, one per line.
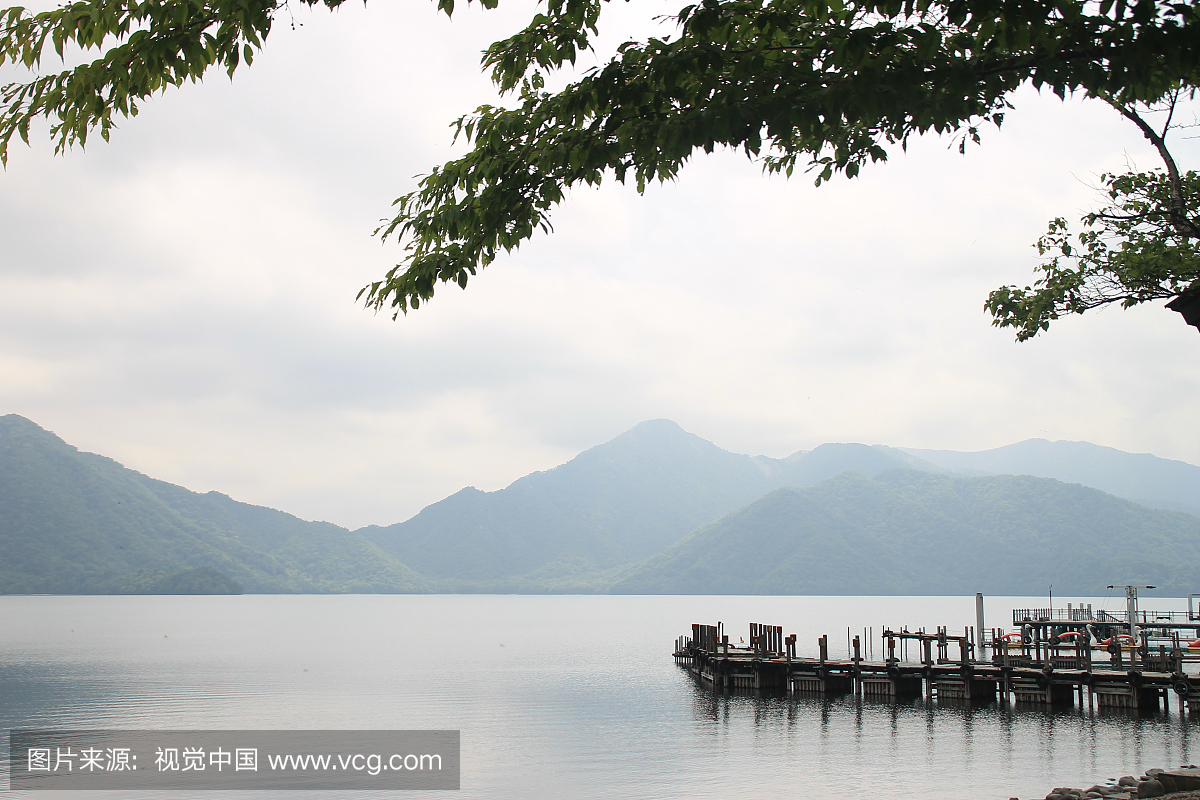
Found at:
<point>557,696</point>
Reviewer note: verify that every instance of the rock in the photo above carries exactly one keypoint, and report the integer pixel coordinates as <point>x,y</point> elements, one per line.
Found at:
<point>1180,780</point>
<point>1153,772</point>
<point>1127,780</point>
<point>1150,788</point>
<point>1093,794</point>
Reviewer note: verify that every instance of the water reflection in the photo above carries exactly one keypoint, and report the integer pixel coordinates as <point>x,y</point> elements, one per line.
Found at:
<point>905,744</point>
<point>596,710</point>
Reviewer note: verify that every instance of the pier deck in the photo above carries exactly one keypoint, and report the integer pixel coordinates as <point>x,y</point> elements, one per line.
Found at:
<point>1059,677</point>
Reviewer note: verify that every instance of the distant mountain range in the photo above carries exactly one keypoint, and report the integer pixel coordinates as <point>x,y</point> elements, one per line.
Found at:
<point>908,532</point>
<point>73,522</point>
<point>655,510</point>
<point>609,507</point>
<point>1141,477</point>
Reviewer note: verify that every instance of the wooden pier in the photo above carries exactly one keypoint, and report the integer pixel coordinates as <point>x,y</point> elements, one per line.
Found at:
<point>1045,675</point>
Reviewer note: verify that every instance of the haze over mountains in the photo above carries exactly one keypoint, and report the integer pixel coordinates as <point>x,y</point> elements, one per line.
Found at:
<point>73,522</point>
<point>1141,477</point>
<point>611,506</point>
<point>654,510</point>
<point>904,532</point>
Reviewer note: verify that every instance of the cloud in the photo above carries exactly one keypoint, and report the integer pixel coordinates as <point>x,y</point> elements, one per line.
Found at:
<point>182,298</point>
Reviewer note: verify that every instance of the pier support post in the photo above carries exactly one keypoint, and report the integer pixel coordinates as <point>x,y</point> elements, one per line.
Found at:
<point>857,659</point>
<point>1007,672</point>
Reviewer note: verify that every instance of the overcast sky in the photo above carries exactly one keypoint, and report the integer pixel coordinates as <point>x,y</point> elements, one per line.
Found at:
<point>182,298</point>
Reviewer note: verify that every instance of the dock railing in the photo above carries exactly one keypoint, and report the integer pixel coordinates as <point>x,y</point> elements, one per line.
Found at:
<point>1146,618</point>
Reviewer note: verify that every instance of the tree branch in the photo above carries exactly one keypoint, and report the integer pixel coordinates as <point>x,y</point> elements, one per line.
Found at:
<point>1180,220</point>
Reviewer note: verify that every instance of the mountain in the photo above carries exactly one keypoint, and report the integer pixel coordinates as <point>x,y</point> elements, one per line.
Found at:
<point>1141,477</point>
<point>656,510</point>
<point>73,522</point>
<point>201,580</point>
<point>907,532</point>
<point>611,506</point>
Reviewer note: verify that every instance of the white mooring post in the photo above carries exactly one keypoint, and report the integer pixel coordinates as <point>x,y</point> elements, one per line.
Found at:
<point>1131,609</point>
<point>979,627</point>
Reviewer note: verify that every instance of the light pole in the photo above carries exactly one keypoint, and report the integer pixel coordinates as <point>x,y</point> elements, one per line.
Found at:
<point>1131,607</point>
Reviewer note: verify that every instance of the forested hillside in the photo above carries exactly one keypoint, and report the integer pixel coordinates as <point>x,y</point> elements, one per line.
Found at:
<point>907,532</point>
<point>1140,477</point>
<point>568,528</point>
<point>73,522</point>
<point>655,510</point>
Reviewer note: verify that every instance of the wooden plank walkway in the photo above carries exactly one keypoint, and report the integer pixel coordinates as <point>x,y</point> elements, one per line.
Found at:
<point>770,664</point>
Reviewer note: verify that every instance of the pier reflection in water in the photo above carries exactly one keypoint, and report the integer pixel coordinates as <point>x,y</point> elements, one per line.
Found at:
<point>923,748</point>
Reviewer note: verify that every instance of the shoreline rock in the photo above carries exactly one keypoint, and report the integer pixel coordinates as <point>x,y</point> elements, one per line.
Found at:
<point>1177,784</point>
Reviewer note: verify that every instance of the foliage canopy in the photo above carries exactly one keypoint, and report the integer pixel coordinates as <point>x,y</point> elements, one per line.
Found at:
<point>825,85</point>
<point>1130,252</point>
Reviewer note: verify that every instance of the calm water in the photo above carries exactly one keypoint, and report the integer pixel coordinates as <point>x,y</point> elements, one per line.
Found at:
<point>556,697</point>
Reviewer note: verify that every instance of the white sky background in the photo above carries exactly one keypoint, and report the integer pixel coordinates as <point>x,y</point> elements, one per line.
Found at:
<point>182,298</point>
